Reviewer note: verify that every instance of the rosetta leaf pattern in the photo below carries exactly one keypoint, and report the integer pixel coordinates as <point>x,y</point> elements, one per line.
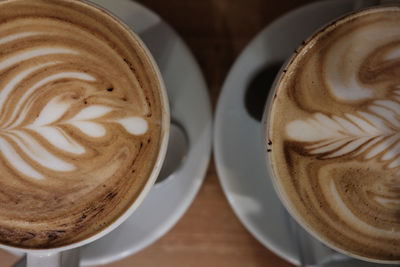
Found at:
<point>20,146</point>
<point>49,125</point>
<point>373,133</point>
<point>18,143</point>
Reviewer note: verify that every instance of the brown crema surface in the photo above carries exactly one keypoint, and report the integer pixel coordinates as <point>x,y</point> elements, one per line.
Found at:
<point>80,121</point>
<point>334,134</point>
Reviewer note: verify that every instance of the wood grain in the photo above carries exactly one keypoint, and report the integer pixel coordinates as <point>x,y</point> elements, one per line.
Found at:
<point>209,234</point>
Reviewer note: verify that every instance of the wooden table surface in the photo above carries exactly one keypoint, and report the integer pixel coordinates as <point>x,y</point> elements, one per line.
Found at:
<point>209,234</point>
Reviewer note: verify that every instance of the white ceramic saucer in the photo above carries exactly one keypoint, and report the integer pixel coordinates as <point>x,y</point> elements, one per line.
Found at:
<point>190,106</point>
<point>237,137</point>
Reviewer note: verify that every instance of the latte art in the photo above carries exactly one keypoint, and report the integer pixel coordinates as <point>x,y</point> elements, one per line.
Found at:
<point>335,134</point>
<point>80,121</point>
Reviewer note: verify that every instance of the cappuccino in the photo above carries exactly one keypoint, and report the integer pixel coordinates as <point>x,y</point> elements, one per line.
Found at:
<point>334,134</point>
<point>81,114</point>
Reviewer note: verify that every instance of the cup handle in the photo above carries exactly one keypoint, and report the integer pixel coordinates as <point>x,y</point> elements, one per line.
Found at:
<point>43,259</point>
<point>69,258</point>
<point>177,150</point>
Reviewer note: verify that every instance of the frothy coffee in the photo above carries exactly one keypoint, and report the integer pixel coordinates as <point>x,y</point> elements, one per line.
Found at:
<point>334,134</point>
<point>80,121</point>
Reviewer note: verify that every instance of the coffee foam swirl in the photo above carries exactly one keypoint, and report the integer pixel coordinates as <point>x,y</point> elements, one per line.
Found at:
<point>335,132</point>
<point>80,121</point>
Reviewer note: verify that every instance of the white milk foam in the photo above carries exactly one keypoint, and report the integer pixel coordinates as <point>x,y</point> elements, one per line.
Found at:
<point>338,136</point>
<point>346,56</point>
<point>337,203</point>
<point>376,127</point>
<point>82,117</point>
<point>90,120</point>
<point>334,134</point>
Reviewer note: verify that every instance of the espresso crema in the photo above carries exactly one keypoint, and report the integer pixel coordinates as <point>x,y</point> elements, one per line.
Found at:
<point>80,121</point>
<point>334,134</point>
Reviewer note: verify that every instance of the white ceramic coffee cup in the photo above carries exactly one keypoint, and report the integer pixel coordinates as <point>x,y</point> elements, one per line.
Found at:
<point>69,254</point>
<point>267,146</point>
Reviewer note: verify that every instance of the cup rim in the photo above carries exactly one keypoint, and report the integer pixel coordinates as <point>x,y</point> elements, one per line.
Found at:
<point>265,123</point>
<point>165,125</point>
